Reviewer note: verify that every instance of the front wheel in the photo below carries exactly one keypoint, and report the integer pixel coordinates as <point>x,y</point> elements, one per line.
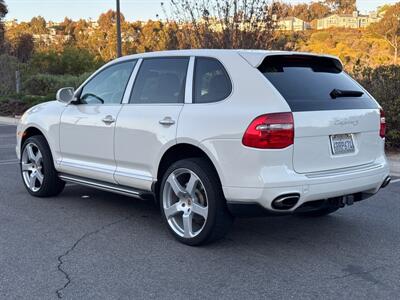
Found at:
<point>192,202</point>
<point>37,168</point>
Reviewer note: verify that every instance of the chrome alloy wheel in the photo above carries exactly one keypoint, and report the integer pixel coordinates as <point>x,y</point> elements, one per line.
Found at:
<point>185,203</point>
<point>32,167</point>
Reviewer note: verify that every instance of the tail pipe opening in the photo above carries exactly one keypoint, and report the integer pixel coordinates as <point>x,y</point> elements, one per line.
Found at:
<point>285,202</point>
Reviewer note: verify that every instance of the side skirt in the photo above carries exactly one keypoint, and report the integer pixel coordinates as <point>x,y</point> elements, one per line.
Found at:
<point>109,187</point>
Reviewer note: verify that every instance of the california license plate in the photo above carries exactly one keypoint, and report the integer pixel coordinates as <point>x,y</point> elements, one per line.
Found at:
<point>342,143</point>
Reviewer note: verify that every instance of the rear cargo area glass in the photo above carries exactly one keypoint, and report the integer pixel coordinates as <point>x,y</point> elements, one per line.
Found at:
<point>306,83</point>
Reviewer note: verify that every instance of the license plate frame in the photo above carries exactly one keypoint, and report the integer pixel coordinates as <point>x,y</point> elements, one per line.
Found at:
<point>342,144</point>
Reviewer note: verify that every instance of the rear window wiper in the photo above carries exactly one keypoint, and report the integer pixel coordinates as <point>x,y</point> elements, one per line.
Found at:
<point>336,93</point>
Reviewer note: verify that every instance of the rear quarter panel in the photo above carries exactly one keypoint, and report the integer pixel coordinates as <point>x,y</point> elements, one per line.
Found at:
<point>218,127</point>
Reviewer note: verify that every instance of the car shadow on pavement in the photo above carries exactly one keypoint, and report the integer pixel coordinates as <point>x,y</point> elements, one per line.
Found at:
<point>344,226</point>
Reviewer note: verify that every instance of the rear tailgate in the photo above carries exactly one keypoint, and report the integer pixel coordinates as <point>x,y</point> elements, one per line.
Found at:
<point>336,121</point>
<point>313,145</point>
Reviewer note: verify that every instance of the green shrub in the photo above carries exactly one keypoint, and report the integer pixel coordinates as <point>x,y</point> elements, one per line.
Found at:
<point>45,84</point>
<point>72,61</point>
<point>12,107</point>
<point>8,66</point>
<point>33,100</point>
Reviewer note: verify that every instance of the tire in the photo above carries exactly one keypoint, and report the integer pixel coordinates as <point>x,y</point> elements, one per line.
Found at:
<point>318,213</point>
<point>194,202</point>
<point>37,166</point>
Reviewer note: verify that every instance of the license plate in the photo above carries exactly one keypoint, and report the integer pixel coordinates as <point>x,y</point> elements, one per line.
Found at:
<point>342,143</point>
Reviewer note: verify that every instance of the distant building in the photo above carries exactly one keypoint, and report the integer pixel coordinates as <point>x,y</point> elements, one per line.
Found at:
<point>293,24</point>
<point>93,24</point>
<point>354,20</point>
<point>48,39</point>
<point>50,24</point>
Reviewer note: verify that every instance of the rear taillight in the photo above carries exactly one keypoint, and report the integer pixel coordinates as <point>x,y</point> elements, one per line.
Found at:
<point>382,130</point>
<point>270,131</point>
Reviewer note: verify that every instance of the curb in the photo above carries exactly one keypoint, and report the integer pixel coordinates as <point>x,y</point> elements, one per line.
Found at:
<point>394,174</point>
<point>9,120</point>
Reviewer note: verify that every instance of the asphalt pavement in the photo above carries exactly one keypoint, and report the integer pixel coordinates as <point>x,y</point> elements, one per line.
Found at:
<point>88,244</point>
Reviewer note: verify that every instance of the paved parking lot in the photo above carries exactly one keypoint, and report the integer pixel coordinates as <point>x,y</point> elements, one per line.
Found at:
<point>91,244</point>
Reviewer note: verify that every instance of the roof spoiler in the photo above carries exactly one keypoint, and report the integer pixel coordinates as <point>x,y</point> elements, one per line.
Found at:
<point>256,57</point>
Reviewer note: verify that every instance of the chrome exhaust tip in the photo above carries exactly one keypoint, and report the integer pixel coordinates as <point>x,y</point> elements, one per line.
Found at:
<point>386,182</point>
<point>285,202</point>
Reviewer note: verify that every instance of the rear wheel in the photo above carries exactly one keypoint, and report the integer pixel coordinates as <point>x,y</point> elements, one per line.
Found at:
<point>37,169</point>
<point>318,213</point>
<point>192,202</point>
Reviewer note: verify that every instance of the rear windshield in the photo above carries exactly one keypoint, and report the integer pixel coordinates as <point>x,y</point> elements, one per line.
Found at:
<point>306,83</point>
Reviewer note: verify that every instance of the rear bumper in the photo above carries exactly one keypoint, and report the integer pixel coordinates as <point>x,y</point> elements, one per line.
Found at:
<point>363,181</point>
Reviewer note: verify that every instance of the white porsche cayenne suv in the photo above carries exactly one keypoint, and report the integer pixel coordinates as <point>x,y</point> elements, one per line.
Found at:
<point>210,135</point>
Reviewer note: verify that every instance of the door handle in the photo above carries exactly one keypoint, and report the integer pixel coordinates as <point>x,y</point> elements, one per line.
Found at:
<point>167,121</point>
<point>108,120</point>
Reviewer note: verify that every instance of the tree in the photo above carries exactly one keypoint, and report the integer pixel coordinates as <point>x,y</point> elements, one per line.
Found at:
<point>283,10</point>
<point>342,6</point>
<point>67,26</point>
<point>304,11</point>
<point>38,25</point>
<point>389,28</point>
<point>225,24</point>
<point>103,39</point>
<point>109,19</point>
<point>3,9</point>
<point>153,37</point>
<point>318,10</point>
<point>24,47</point>
<point>301,11</point>
<point>3,12</point>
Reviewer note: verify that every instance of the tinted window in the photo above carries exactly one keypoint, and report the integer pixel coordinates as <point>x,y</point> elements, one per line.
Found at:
<point>161,80</point>
<point>307,81</point>
<point>211,82</point>
<point>109,85</point>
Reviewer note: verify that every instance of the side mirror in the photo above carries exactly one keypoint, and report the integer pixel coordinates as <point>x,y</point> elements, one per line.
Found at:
<point>66,95</point>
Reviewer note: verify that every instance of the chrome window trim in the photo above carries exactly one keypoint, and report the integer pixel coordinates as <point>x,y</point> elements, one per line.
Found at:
<point>131,82</point>
<point>189,81</point>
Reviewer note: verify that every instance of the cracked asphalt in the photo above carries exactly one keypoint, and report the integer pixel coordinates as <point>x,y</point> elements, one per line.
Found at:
<point>88,244</point>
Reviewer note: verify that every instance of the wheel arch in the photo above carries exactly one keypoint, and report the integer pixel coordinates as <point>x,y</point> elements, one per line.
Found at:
<point>32,130</point>
<point>29,132</point>
<point>182,151</point>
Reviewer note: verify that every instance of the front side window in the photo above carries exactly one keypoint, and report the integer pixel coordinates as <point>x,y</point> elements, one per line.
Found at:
<point>161,80</point>
<point>211,82</point>
<point>109,85</point>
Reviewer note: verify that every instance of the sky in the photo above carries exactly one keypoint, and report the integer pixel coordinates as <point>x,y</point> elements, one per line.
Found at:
<point>56,10</point>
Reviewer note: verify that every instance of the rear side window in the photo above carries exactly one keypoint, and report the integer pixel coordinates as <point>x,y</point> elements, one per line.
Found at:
<point>307,82</point>
<point>160,80</point>
<point>211,82</point>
